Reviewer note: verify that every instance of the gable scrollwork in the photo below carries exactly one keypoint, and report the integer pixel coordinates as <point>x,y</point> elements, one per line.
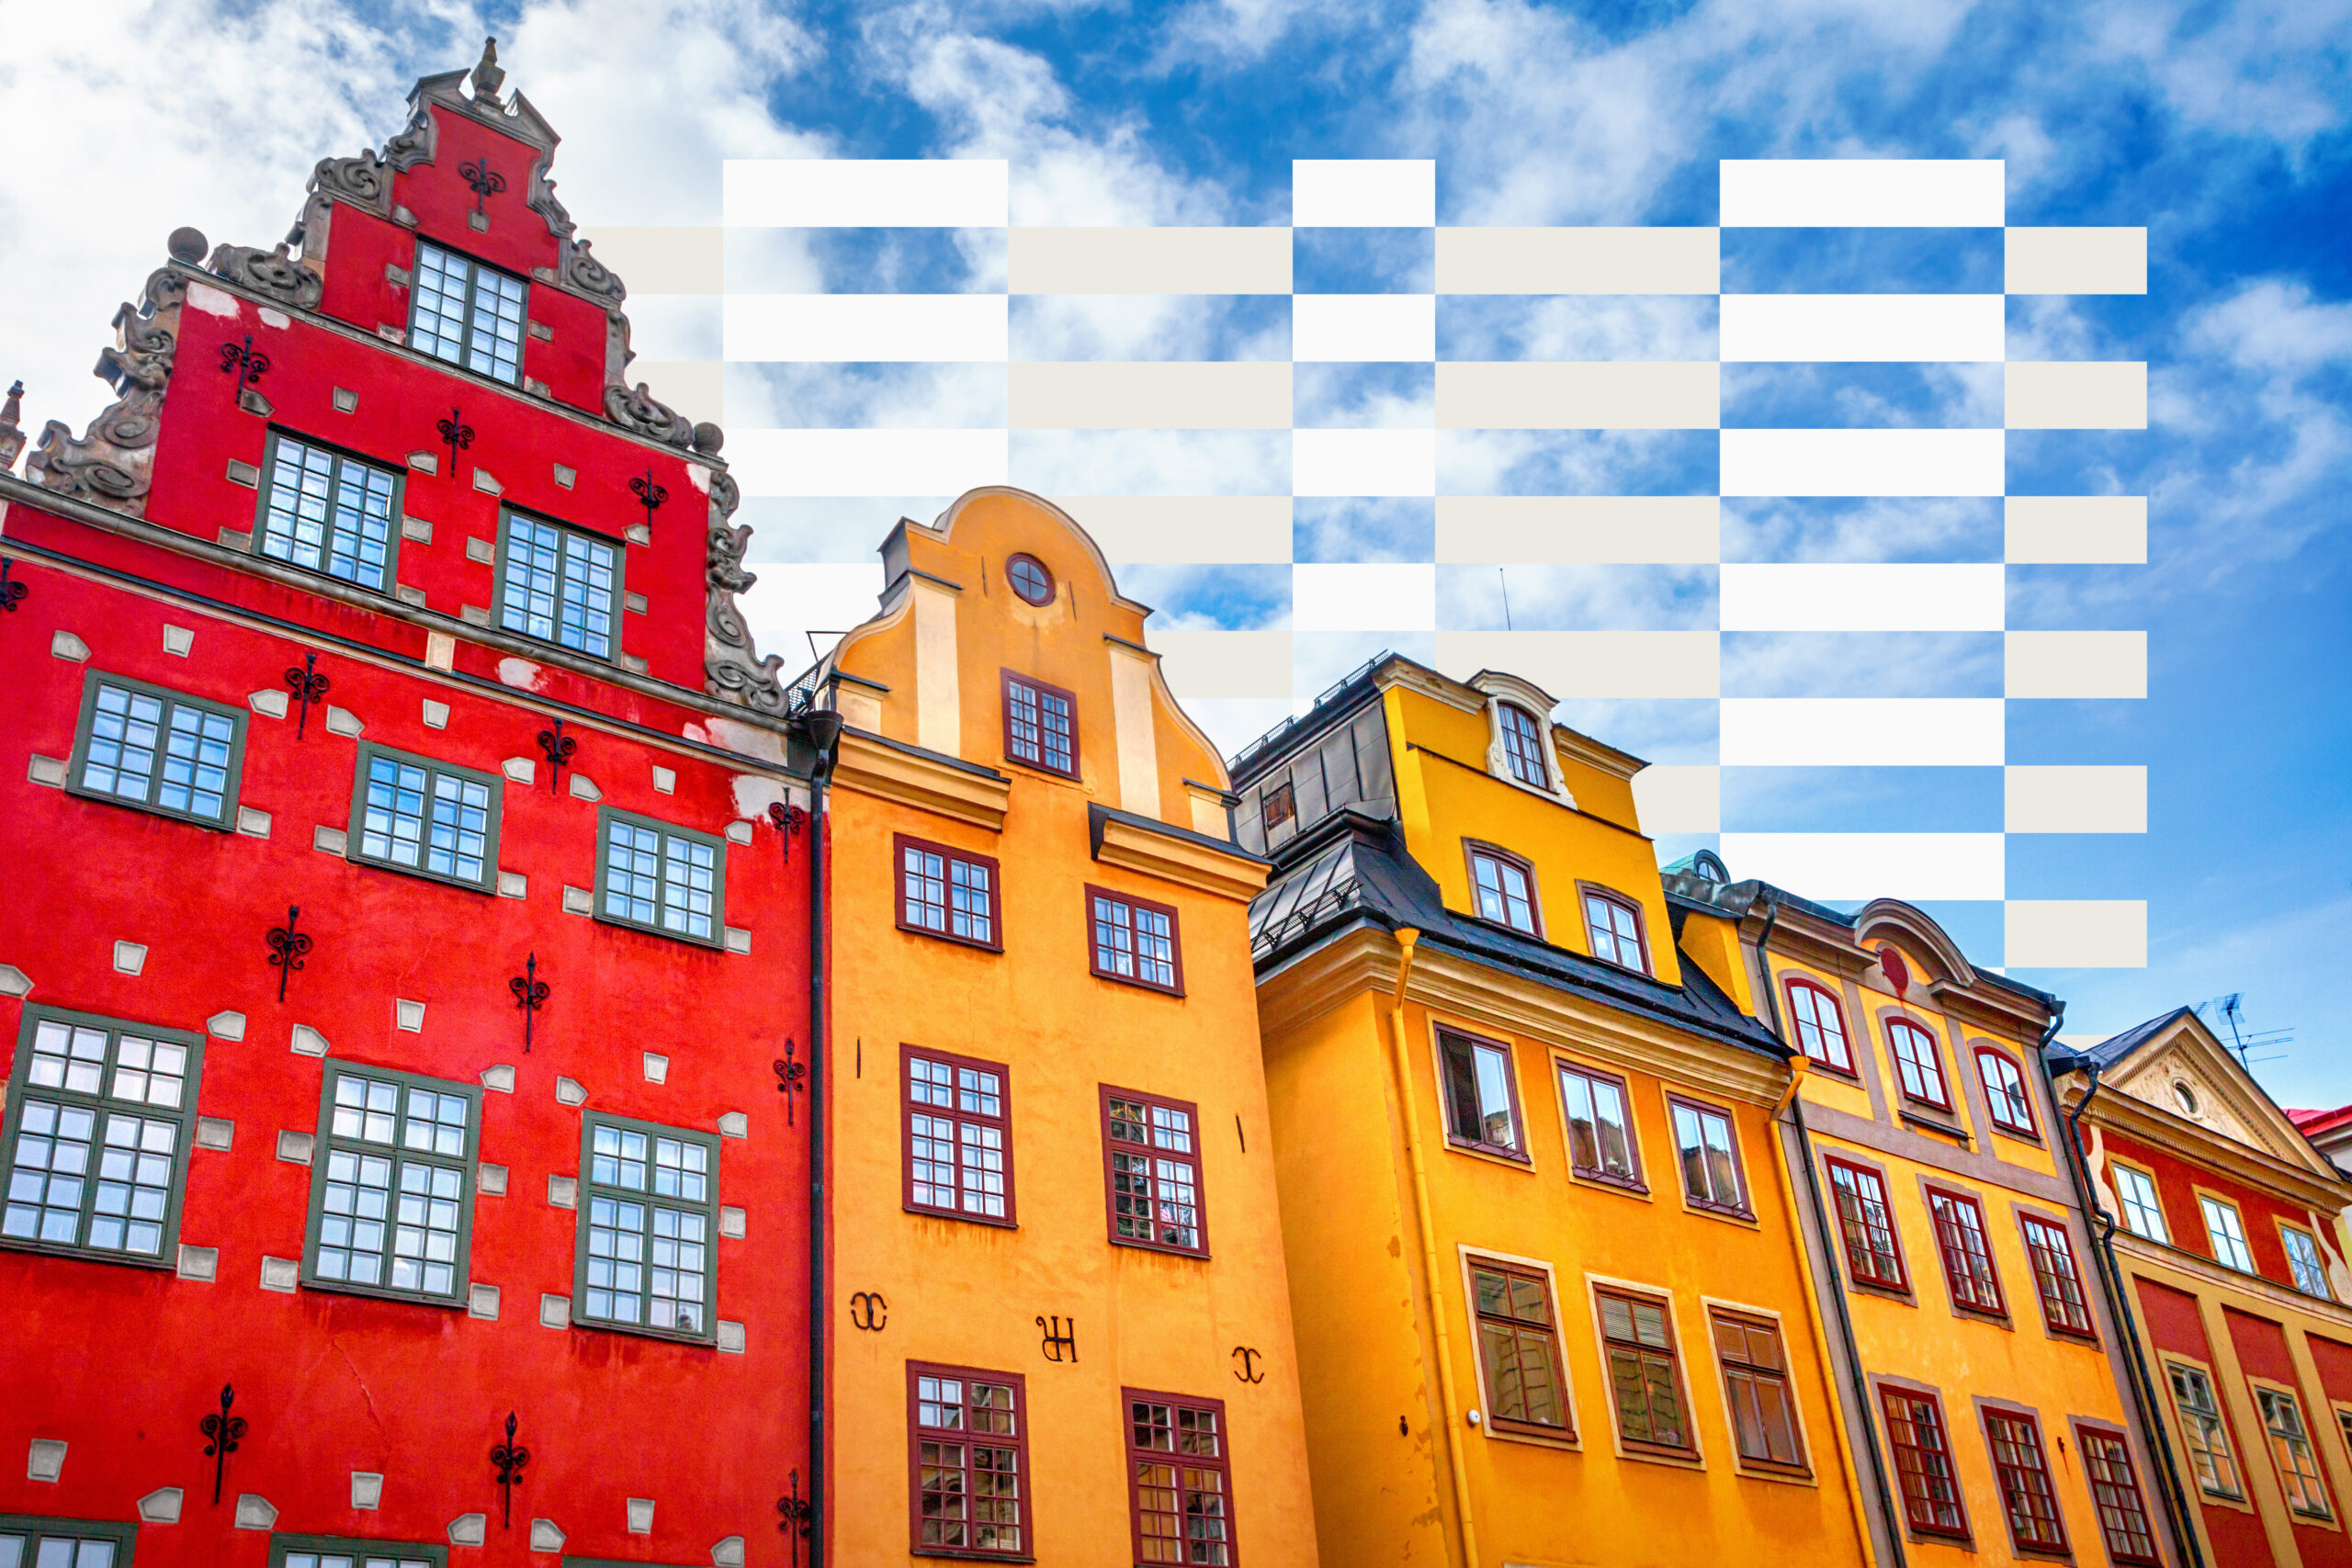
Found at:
<point>642,412</point>
<point>732,667</point>
<point>271,272</point>
<point>112,463</point>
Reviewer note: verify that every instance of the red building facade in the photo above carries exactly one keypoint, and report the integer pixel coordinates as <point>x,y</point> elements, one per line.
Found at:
<point>408,989</point>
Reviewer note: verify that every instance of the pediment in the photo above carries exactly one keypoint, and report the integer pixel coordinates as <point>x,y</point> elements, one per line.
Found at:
<point>2183,1070</point>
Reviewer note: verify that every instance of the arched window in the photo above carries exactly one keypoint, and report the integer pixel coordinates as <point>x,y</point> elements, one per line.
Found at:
<point>1820,1026</point>
<point>1918,1064</point>
<point>2004,1092</point>
<point>1523,745</point>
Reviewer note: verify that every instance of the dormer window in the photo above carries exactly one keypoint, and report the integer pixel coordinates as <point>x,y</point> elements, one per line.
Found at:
<point>466,313</point>
<point>1523,746</point>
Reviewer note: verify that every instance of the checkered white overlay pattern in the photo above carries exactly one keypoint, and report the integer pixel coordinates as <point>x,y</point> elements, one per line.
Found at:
<point>1554,451</point>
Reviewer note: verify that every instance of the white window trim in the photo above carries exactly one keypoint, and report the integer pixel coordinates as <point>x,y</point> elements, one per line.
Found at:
<point>1499,689</point>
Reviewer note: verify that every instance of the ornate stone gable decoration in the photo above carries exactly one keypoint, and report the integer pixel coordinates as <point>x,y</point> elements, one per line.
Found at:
<point>732,667</point>
<point>112,464</point>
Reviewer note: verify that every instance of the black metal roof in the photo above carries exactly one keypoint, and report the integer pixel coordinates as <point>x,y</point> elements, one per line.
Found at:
<point>2109,1051</point>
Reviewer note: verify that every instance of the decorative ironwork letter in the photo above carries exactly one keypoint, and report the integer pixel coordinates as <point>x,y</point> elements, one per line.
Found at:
<point>11,594</point>
<point>287,947</point>
<point>1247,1370</point>
<point>510,1457</point>
<point>456,435</point>
<point>559,747</point>
<point>868,1312</point>
<point>530,995</point>
<point>789,1071</point>
<point>799,1512</point>
<point>222,1431</point>
<point>243,358</point>
<point>308,686</point>
<point>1057,1340</point>
<point>789,820</point>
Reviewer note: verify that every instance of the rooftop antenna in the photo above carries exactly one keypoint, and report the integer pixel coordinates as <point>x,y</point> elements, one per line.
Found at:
<point>2245,1041</point>
<point>1504,579</point>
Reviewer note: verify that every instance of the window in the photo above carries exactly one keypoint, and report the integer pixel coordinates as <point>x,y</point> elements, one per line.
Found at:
<point>1503,886</point>
<point>1519,1349</point>
<point>1820,1026</point>
<point>1756,1389</point>
<point>2303,1262</point>
<point>1873,1255</point>
<point>2227,1233</point>
<point>326,512</point>
<point>2141,1211</point>
<point>947,892</point>
<point>1709,1153</point>
<point>1613,925</point>
<point>416,814</point>
<point>1523,745</point>
<point>660,879</point>
<point>1030,578</point>
<point>1915,1429</point>
<point>326,1551</point>
<point>99,1125</point>
<point>1154,1171</point>
<point>2115,1492</point>
<point>466,313</point>
<point>2207,1436</point>
<point>2005,1092</point>
<point>649,1200</point>
<point>1600,1133</point>
<point>1637,1336</point>
<point>1916,1064</point>
<point>959,1136</point>
<point>392,1204</point>
<point>2026,1496</point>
<point>63,1543</point>
<point>2290,1449</point>
<point>1135,941</point>
<point>145,745</point>
<point>1040,725</point>
<point>560,585</point>
<point>1280,805</point>
<point>1967,1251</point>
<point>1481,1098</point>
<point>968,1461</point>
<point>1179,1479</point>
<point>2056,1279</point>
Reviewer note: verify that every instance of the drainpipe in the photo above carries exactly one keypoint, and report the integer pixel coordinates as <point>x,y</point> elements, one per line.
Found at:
<point>1401,1061</point>
<point>1794,1105</point>
<point>2101,1226</point>
<point>823,729</point>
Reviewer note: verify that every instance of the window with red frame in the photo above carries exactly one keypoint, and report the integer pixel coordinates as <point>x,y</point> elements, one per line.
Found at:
<point>948,893</point>
<point>1040,725</point>
<point>1915,1429</point>
<point>1873,1257</point>
<point>1154,1169</point>
<point>1481,1094</point>
<point>1613,925</point>
<point>2056,1277</point>
<point>959,1136</point>
<point>1916,1064</point>
<point>1967,1251</point>
<point>1820,1026</point>
<point>1519,1349</point>
<point>1523,745</point>
<point>1644,1378</point>
<point>1504,886</point>
<point>1755,1387</point>
<point>1707,1152</point>
<point>2115,1492</point>
<point>970,1461</point>
<point>2005,1092</point>
<point>1179,1479</point>
<point>2027,1498</point>
<point>1134,939</point>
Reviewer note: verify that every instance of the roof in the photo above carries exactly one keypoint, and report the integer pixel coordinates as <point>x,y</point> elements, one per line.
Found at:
<point>2109,1051</point>
<point>1352,869</point>
<point>2311,1124</point>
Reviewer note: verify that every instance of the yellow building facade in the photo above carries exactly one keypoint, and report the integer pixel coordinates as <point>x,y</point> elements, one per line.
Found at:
<point>1060,1324</point>
<point>1978,1360</point>
<point>1548,1303</point>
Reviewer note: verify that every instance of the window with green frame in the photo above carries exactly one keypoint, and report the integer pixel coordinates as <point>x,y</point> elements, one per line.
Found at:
<point>660,879</point>
<point>30,1541</point>
<point>559,584</point>
<point>337,1552</point>
<point>417,814</point>
<point>466,313</point>
<point>648,1206</point>
<point>392,1185</point>
<point>96,1136</point>
<point>158,750</point>
<point>326,510</point>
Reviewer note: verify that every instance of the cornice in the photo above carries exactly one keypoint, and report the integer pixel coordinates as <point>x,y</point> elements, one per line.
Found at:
<point>1173,856</point>
<point>2159,1128</point>
<point>873,765</point>
<point>2211,1275</point>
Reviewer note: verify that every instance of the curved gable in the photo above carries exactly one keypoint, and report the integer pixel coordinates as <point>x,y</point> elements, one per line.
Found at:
<point>1922,939</point>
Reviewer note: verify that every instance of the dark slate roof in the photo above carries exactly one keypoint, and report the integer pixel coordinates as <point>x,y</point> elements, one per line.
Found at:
<point>1352,869</point>
<point>2109,1051</point>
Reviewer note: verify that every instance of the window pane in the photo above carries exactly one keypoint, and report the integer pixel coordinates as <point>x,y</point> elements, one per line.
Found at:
<point>1495,1122</point>
<point>2304,1261</point>
<point>2208,1440</point>
<point>2222,1228</point>
<point>2141,1211</point>
<point>159,750</point>
<point>558,585</point>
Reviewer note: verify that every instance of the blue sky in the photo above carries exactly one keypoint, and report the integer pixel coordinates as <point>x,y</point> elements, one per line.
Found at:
<point>2221,128</point>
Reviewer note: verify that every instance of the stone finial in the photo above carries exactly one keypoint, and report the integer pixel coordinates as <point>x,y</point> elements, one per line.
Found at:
<point>188,245</point>
<point>487,76</point>
<point>12,439</point>
<point>13,409</point>
<point>708,439</point>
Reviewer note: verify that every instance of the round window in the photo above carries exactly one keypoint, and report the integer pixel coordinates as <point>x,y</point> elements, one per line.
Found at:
<point>1898,973</point>
<point>1030,578</point>
<point>2185,1098</point>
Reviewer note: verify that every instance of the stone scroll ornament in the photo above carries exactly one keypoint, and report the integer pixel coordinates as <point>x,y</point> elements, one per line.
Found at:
<point>732,668</point>
<point>112,463</point>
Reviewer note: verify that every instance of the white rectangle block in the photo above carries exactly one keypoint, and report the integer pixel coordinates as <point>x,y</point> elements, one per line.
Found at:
<point>934,328</point>
<point>1680,798</point>
<point>1217,663</point>
<point>1560,395</point>
<point>2076,664</point>
<point>1861,596</point>
<point>1592,664</point>
<point>2075,261</point>
<point>1862,193</point>
<point>1863,462</point>
<point>1568,260</point>
<point>1579,529</point>
<point>1186,529</point>
<point>2074,933</point>
<point>2075,798</point>
<point>867,193</point>
<point>1843,867</point>
<point>1165,260</point>
<point>867,462</point>
<point>1357,328</point>
<point>2068,530</point>
<point>2087,394</point>
<point>1843,328</point>
<point>1363,193</point>
<point>1860,732</point>
<point>1157,395</point>
<point>1363,462</point>
<point>1355,596</point>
